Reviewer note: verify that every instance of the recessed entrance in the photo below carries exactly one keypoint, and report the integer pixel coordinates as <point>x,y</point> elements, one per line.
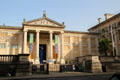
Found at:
<point>42,52</point>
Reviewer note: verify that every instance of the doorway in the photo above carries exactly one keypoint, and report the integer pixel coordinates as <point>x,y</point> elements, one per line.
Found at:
<point>42,53</point>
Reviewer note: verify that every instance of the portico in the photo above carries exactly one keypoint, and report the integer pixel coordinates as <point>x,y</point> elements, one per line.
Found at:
<point>44,33</point>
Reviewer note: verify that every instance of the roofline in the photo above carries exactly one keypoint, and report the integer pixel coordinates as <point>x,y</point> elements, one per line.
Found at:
<point>69,31</point>
<point>104,21</point>
<point>10,27</point>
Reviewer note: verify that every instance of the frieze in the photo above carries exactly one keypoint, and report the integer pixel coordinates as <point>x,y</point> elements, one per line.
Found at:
<point>43,22</point>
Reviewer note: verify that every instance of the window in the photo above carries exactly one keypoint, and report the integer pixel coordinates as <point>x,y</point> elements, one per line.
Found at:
<point>2,45</point>
<point>15,46</point>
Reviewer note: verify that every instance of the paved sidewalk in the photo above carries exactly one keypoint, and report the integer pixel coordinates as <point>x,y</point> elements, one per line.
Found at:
<point>56,75</point>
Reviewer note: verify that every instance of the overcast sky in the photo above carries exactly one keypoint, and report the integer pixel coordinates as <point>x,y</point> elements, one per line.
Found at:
<point>78,15</point>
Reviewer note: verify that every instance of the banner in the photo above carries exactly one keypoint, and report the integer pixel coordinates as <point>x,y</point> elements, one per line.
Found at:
<point>56,44</point>
<point>31,37</point>
<point>31,40</point>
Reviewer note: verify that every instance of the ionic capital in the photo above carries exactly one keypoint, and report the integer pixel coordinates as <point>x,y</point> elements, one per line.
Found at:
<point>62,32</point>
<point>37,30</point>
<point>51,32</point>
<point>25,30</point>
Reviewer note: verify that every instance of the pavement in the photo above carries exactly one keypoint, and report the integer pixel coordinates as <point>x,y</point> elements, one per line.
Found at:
<point>63,76</point>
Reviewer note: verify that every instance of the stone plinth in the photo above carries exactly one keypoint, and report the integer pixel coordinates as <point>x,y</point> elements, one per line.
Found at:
<point>62,61</point>
<point>23,57</point>
<point>54,67</point>
<point>96,64</point>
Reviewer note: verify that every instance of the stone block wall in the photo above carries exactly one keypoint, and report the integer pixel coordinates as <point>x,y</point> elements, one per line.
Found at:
<point>78,45</point>
<point>10,41</point>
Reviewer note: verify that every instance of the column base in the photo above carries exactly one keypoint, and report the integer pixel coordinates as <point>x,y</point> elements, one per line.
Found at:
<point>58,61</point>
<point>62,61</point>
<point>32,60</point>
<point>50,61</point>
<point>36,61</point>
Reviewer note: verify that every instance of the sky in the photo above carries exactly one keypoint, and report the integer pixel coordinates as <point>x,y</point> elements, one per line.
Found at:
<point>78,15</point>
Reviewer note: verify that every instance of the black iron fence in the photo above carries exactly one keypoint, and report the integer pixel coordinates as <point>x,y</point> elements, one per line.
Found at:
<point>40,69</point>
<point>71,68</point>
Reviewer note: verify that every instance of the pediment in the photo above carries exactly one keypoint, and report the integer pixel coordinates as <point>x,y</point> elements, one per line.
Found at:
<point>45,22</point>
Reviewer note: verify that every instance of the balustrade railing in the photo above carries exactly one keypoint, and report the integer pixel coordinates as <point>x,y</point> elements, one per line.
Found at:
<point>8,58</point>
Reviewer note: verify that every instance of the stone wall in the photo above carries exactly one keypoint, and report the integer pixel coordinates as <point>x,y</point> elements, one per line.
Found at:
<point>109,28</point>
<point>78,45</point>
<point>12,40</point>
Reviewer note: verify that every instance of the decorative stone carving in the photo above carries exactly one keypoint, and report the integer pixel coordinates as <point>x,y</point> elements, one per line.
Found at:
<point>43,22</point>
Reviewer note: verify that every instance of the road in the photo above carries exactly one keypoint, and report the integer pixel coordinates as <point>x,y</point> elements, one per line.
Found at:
<point>97,77</point>
<point>64,76</point>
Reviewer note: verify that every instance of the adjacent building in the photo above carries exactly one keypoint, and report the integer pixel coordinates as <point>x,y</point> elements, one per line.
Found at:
<point>110,28</point>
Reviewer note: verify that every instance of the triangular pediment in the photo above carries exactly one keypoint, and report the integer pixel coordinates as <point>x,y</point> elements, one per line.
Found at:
<point>45,22</point>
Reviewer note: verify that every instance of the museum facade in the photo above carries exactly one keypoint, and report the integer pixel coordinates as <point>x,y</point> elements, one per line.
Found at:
<point>45,40</point>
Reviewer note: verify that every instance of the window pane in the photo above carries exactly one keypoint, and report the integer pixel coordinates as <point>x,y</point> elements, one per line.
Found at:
<point>14,46</point>
<point>2,45</point>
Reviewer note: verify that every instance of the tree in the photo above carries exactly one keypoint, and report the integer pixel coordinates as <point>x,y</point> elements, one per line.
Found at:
<point>105,46</point>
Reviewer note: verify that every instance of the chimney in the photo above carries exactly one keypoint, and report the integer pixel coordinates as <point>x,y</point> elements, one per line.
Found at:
<point>99,20</point>
<point>44,13</point>
<point>4,24</point>
<point>63,23</point>
<point>108,15</point>
<point>24,20</point>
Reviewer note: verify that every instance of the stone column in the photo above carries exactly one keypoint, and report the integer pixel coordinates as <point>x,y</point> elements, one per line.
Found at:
<point>37,61</point>
<point>51,46</point>
<point>62,48</point>
<point>58,57</point>
<point>25,42</point>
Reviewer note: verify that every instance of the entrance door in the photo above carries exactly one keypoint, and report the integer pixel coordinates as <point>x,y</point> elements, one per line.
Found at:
<point>42,52</point>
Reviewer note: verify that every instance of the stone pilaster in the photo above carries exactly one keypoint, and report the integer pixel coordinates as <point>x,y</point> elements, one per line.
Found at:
<point>71,48</point>
<point>8,44</point>
<point>25,42</point>
<point>20,43</point>
<point>37,61</point>
<point>89,45</point>
<point>97,45</point>
<point>116,40</point>
<point>80,46</point>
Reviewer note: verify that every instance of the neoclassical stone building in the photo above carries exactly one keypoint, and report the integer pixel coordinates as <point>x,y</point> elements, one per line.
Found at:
<point>110,28</point>
<point>47,41</point>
